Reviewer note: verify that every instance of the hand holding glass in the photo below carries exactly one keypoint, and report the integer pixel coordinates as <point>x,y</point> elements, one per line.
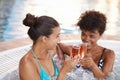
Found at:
<point>79,50</point>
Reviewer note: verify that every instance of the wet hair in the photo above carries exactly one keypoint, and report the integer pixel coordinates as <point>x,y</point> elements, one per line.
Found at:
<point>92,20</point>
<point>39,26</point>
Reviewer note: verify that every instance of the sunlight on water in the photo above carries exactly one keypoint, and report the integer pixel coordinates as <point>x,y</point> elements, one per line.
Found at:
<point>66,12</point>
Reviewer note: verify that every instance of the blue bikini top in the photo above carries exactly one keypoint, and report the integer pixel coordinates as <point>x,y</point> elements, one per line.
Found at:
<point>43,74</point>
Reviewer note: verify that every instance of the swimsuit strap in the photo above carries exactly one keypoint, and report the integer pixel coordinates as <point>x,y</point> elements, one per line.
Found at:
<point>100,63</point>
<point>36,57</point>
<point>39,61</point>
<point>102,53</point>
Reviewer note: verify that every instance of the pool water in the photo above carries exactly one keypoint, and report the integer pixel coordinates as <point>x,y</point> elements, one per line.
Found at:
<point>66,12</point>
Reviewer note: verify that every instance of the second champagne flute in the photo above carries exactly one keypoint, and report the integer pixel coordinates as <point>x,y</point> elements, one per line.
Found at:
<point>75,51</point>
<point>83,50</point>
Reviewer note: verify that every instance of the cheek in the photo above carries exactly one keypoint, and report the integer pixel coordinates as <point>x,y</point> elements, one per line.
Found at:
<point>82,38</point>
<point>53,44</point>
<point>92,43</point>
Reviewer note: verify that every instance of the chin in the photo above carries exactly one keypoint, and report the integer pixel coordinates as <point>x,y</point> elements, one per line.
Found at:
<point>88,47</point>
<point>54,48</point>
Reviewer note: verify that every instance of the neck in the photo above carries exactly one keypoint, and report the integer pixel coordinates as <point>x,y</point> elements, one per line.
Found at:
<point>40,51</point>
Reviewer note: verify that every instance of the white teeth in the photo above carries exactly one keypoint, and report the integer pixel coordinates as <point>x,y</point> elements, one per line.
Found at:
<point>87,44</point>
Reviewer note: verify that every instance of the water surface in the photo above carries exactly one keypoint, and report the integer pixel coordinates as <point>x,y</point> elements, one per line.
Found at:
<point>67,12</point>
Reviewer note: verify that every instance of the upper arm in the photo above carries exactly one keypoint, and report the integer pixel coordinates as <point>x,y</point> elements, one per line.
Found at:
<point>27,71</point>
<point>65,48</point>
<point>108,61</point>
<point>108,57</point>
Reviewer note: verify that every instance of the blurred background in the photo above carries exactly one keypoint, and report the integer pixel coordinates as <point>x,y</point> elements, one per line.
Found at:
<point>66,12</point>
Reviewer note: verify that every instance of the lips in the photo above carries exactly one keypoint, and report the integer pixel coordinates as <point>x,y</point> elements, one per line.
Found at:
<point>88,44</point>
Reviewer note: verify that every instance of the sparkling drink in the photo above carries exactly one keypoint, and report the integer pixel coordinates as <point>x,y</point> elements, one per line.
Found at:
<point>79,50</point>
<point>83,50</point>
<point>75,50</point>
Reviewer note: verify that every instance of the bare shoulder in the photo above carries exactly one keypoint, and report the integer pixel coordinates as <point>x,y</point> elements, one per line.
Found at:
<point>25,60</point>
<point>27,68</point>
<point>109,53</point>
<point>26,63</point>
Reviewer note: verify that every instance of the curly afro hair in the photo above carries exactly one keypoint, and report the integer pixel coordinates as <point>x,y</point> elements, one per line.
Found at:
<point>92,20</point>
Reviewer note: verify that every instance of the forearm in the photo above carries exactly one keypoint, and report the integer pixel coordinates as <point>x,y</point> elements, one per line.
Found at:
<point>106,69</point>
<point>97,72</point>
<point>65,48</point>
<point>62,75</point>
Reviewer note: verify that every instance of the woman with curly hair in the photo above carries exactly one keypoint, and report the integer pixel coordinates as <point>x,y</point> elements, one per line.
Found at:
<point>98,59</point>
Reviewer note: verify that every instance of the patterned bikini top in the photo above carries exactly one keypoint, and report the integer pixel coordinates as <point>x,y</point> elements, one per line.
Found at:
<point>101,62</point>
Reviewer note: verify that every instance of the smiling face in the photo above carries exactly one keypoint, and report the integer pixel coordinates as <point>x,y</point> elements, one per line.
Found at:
<point>90,37</point>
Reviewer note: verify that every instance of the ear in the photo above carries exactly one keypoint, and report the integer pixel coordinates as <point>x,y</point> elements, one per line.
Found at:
<point>43,38</point>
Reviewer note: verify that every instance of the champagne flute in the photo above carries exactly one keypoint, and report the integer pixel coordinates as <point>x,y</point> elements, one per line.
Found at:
<point>78,49</point>
<point>83,50</point>
<point>75,51</point>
